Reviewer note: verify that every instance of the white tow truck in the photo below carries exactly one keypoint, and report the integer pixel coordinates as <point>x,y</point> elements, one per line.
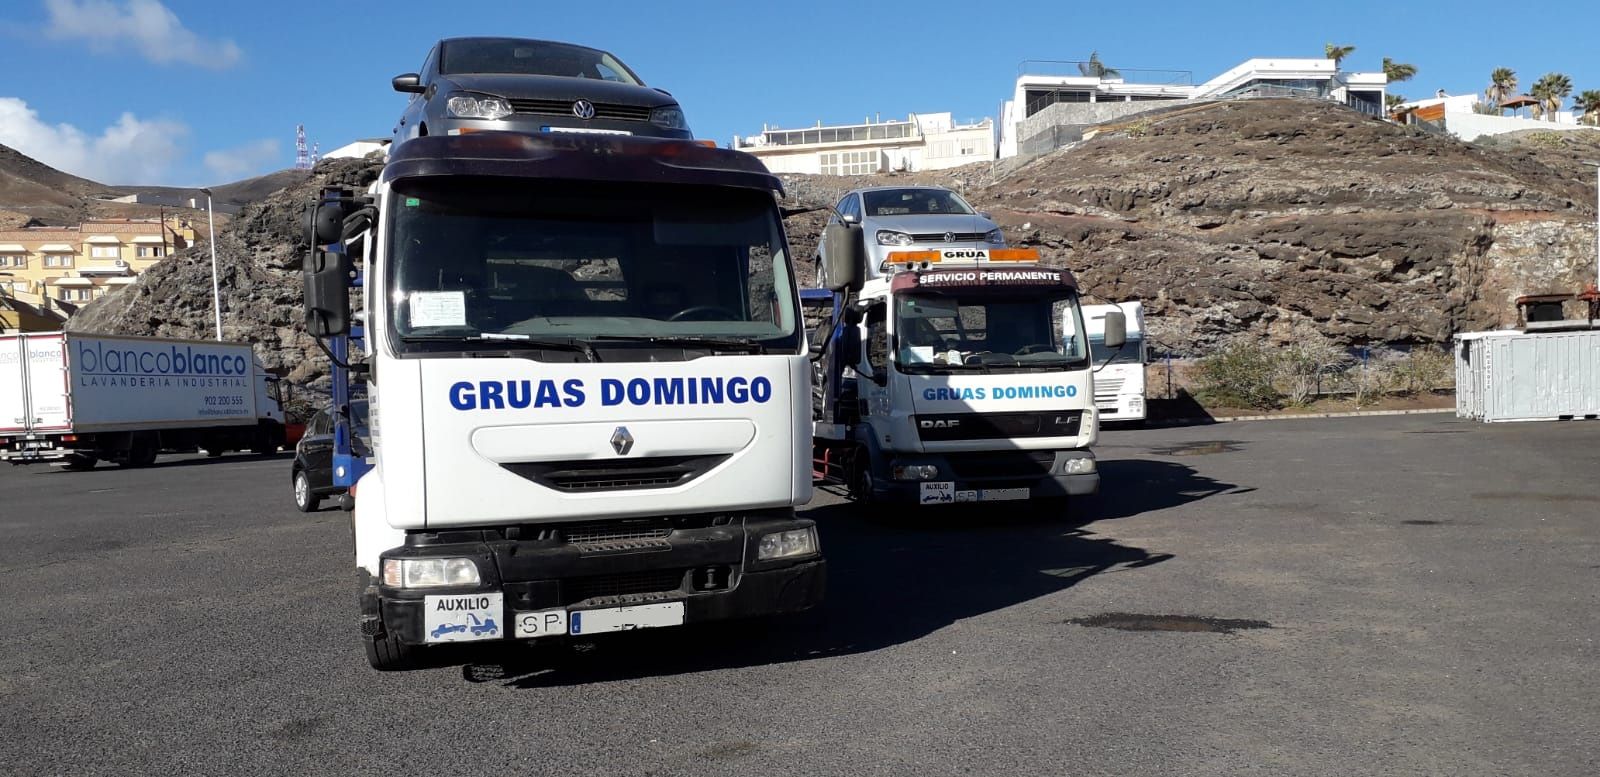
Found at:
<point>956,375</point>
<point>587,389</point>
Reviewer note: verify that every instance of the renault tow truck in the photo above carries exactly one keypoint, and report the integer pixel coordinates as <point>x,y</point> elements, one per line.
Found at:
<point>587,385</point>
<point>957,375</point>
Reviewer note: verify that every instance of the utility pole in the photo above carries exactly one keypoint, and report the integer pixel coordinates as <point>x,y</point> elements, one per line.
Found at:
<point>216,289</point>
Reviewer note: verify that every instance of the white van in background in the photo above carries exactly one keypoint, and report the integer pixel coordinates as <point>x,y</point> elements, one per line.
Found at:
<point>1120,385</point>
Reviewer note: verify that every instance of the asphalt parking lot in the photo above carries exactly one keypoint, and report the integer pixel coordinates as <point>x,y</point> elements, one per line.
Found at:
<point>1391,595</point>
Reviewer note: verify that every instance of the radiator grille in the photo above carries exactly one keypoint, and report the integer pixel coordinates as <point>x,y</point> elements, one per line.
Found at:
<point>1002,464</point>
<point>624,584</point>
<point>938,237</point>
<point>612,111</point>
<point>585,535</point>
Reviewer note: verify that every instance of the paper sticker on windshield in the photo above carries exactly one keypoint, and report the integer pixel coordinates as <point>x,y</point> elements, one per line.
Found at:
<point>438,308</point>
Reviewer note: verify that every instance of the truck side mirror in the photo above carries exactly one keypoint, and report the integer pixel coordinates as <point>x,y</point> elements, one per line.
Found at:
<point>324,223</point>
<point>1116,324</point>
<point>850,345</point>
<point>846,255</point>
<point>327,284</point>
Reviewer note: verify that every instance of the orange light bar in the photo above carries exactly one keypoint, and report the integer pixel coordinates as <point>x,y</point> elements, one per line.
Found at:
<point>1013,254</point>
<point>707,143</point>
<point>897,257</point>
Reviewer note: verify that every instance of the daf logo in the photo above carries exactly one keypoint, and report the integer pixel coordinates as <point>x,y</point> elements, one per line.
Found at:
<point>943,423</point>
<point>621,441</point>
<point>584,109</point>
<point>949,237</point>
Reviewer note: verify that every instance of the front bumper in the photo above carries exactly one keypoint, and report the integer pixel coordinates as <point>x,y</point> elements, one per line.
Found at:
<point>707,565</point>
<point>993,476</point>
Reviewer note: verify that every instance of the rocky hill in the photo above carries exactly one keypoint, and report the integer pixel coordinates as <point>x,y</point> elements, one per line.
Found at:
<point>1274,219</point>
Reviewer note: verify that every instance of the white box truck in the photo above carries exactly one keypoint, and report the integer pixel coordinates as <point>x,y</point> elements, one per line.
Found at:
<point>77,399</point>
<point>587,389</point>
<point>1119,380</point>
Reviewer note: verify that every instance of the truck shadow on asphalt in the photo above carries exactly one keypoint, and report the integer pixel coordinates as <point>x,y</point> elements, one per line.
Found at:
<point>890,581</point>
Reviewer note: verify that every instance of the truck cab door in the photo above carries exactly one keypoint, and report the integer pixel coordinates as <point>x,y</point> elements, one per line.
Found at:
<point>873,385</point>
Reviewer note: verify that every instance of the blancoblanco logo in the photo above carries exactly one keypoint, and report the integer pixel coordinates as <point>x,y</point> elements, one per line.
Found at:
<point>94,357</point>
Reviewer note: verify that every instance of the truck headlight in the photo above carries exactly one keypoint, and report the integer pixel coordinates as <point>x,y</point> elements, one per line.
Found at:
<point>889,237</point>
<point>1080,466</point>
<point>787,544</point>
<point>429,572</point>
<point>914,472</point>
<point>670,116</point>
<point>995,237</point>
<point>470,105</point>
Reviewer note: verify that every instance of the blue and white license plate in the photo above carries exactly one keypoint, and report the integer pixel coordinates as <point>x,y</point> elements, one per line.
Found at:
<point>586,131</point>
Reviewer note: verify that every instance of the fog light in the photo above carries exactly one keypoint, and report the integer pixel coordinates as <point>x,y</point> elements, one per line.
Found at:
<point>914,472</point>
<point>1080,466</point>
<point>787,544</point>
<point>429,572</point>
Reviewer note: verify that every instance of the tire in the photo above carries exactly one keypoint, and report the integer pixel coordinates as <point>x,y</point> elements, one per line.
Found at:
<point>266,441</point>
<point>213,453</point>
<point>142,451</point>
<point>80,463</point>
<point>304,497</point>
<point>861,481</point>
<point>387,654</point>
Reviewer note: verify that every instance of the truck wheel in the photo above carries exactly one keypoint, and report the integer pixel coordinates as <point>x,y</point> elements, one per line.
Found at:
<point>303,498</point>
<point>142,452</point>
<point>387,654</point>
<point>861,481</point>
<point>266,442</point>
<point>79,462</point>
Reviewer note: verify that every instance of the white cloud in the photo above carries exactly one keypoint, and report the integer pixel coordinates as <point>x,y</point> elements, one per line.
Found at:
<point>147,25</point>
<point>243,161</point>
<point>131,151</point>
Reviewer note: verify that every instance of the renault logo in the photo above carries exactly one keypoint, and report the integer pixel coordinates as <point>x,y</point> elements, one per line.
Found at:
<point>621,441</point>
<point>949,237</point>
<point>583,109</point>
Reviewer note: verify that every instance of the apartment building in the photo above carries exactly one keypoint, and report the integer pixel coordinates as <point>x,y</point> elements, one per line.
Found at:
<point>75,265</point>
<point>1048,108</point>
<point>922,141</point>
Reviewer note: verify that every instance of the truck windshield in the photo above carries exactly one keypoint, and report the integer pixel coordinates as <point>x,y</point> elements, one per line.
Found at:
<point>489,261</point>
<point>948,333</point>
<point>1131,352</point>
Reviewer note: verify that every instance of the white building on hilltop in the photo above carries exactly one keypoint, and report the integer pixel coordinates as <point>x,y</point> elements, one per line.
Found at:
<point>1465,116</point>
<point>1046,109</point>
<point>923,141</point>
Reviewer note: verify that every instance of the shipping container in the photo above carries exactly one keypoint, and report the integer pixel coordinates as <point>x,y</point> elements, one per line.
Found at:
<point>1513,375</point>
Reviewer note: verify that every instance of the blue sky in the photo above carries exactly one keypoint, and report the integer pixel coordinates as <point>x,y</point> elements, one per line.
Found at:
<point>179,92</point>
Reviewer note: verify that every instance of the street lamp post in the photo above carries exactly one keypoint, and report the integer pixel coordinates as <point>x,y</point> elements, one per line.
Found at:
<point>216,290</point>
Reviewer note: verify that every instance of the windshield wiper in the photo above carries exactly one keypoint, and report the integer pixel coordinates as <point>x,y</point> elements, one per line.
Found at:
<point>522,341</point>
<point>714,343</point>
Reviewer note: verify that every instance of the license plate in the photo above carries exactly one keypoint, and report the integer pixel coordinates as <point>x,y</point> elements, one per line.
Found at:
<point>992,494</point>
<point>937,493</point>
<point>643,616</point>
<point>587,131</point>
<point>548,623</point>
<point>463,617</point>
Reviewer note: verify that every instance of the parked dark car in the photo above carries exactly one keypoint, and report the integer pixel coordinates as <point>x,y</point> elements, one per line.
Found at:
<point>522,85</point>
<point>313,457</point>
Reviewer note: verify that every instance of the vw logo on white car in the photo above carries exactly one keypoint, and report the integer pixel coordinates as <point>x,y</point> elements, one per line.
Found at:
<point>583,109</point>
<point>949,237</point>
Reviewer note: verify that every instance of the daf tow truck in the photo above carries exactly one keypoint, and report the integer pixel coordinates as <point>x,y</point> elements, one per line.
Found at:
<point>956,375</point>
<point>587,385</point>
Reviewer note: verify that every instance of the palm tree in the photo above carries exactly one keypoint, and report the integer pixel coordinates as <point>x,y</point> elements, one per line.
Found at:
<point>1589,102</point>
<point>1551,90</point>
<point>1094,67</point>
<point>1337,53</point>
<point>1398,71</point>
<point>1502,84</point>
<point>1392,100</point>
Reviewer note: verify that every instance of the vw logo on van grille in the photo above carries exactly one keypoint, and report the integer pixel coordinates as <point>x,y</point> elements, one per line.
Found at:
<point>621,441</point>
<point>949,237</point>
<point>583,109</point>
